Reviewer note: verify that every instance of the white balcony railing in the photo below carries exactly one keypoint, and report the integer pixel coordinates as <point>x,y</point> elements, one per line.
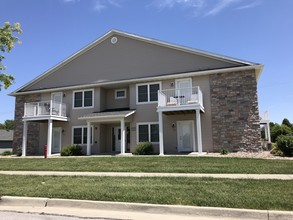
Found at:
<point>179,97</point>
<point>44,108</point>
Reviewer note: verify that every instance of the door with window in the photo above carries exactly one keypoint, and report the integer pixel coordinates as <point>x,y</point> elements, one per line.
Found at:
<point>183,90</point>
<point>56,140</point>
<point>185,135</point>
<point>57,103</point>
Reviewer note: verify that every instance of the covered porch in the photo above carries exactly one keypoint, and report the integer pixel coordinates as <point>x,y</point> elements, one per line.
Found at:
<point>117,120</point>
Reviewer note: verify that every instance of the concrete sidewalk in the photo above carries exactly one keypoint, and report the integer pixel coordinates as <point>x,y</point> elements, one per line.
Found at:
<point>120,210</point>
<point>129,174</point>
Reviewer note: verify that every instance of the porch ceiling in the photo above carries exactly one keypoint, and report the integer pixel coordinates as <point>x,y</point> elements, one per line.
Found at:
<point>107,116</point>
<point>179,112</point>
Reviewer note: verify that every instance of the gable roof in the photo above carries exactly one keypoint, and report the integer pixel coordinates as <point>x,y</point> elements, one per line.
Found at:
<point>6,135</point>
<point>155,58</point>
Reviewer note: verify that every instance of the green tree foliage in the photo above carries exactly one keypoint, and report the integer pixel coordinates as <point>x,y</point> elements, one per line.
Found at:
<point>7,40</point>
<point>278,130</point>
<point>8,125</point>
<point>287,122</point>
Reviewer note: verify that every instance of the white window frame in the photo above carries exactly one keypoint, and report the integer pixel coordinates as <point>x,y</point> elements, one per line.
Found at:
<point>120,97</point>
<point>83,91</point>
<point>148,85</point>
<point>149,130</point>
<point>82,134</point>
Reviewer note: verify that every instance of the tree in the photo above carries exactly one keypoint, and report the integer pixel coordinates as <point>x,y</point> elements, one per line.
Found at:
<point>287,122</point>
<point>8,125</point>
<point>7,40</point>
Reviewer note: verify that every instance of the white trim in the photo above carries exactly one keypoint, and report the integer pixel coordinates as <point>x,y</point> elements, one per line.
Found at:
<point>257,67</point>
<point>82,134</point>
<point>149,131</point>
<point>192,133</point>
<point>120,97</point>
<point>83,91</point>
<point>148,87</point>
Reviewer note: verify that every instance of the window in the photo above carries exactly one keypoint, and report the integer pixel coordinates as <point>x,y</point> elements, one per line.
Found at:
<point>83,99</point>
<point>147,92</point>
<point>148,132</point>
<point>120,93</point>
<point>80,135</point>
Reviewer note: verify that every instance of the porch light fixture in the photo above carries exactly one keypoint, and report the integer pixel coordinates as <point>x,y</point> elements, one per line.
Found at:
<point>173,125</point>
<point>171,84</point>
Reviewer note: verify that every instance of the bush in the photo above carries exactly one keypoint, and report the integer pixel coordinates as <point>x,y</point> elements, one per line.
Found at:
<point>275,150</point>
<point>144,148</point>
<point>6,153</point>
<point>224,151</point>
<point>71,150</point>
<point>285,144</point>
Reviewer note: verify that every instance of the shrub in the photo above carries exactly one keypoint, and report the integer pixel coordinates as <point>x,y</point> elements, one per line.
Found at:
<point>71,150</point>
<point>224,151</point>
<point>285,144</point>
<point>6,153</point>
<point>144,148</point>
<point>275,150</point>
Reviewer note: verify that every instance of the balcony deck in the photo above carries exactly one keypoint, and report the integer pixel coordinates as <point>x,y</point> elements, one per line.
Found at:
<point>45,110</point>
<point>177,101</point>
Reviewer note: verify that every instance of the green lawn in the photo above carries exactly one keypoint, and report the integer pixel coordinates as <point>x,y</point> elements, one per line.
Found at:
<point>251,194</point>
<point>168,164</point>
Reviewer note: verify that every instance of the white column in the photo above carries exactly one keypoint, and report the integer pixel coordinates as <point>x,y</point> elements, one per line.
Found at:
<point>88,141</point>
<point>269,132</point>
<point>24,139</point>
<point>122,148</point>
<point>198,129</point>
<point>161,134</point>
<point>49,138</point>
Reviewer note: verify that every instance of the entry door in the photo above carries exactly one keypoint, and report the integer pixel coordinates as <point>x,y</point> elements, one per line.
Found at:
<point>56,140</point>
<point>183,90</point>
<point>117,134</point>
<point>185,135</point>
<point>57,100</point>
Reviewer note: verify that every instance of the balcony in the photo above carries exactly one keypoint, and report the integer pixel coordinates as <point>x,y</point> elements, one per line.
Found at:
<point>180,99</point>
<point>45,110</point>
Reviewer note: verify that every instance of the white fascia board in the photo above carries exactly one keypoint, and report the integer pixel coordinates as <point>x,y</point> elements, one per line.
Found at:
<point>258,68</point>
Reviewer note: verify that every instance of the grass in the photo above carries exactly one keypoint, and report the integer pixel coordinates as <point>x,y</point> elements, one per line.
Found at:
<point>168,164</point>
<point>251,194</point>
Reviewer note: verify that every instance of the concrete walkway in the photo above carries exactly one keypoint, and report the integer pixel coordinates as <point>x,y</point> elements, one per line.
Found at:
<point>124,210</point>
<point>129,174</point>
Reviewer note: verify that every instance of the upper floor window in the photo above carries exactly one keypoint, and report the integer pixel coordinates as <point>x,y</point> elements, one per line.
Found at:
<point>83,99</point>
<point>120,93</point>
<point>147,92</point>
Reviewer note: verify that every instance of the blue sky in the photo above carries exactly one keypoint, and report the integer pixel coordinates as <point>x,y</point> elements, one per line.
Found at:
<point>255,30</point>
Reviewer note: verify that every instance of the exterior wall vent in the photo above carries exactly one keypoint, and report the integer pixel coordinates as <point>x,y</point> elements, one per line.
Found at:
<point>114,40</point>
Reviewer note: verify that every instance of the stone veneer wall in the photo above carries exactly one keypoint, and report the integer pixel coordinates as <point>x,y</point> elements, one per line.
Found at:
<point>234,110</point>
<point>33,127</point>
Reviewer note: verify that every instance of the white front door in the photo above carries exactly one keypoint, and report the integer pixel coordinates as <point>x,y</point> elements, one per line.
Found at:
<point>56,140</point>
<point>183,90</point>
<point>117,135</point>
<point>185,135</point>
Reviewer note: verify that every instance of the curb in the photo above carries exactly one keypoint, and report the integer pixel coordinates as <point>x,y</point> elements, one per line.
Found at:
<point>146,208</point>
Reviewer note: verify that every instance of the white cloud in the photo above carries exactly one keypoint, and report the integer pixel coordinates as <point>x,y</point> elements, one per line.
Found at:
<point>222,4</point>
<point>204,7</point>
<point>71,1</point>
<point>251,5</point>
<point>100,5</point>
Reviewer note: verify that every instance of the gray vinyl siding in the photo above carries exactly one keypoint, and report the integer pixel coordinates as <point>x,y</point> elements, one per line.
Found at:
<point>127,59</point>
